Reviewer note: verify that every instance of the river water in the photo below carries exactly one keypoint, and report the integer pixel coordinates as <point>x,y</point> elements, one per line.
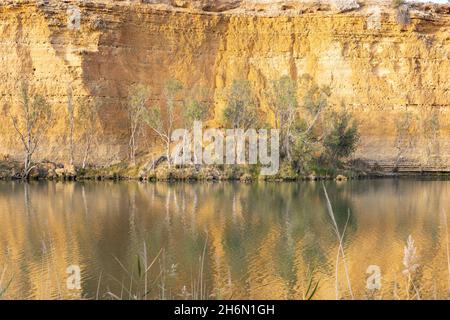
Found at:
<point>130,240</point>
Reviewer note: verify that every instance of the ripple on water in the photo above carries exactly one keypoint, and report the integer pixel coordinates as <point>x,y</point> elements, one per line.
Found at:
<point>262,240</point>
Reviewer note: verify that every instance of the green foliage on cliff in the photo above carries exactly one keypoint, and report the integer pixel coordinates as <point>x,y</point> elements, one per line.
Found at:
<point>341,141</point>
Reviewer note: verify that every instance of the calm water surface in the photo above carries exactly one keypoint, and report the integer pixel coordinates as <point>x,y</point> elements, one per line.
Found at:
<point>227,241</point>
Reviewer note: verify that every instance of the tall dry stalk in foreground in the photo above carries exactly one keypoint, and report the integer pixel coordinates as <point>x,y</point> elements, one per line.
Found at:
<point>410,259</point>
<point>198,287</point>
<point>311,289</point>
<point>138,288</point>
<point>4,286</point>
<point>341,247</point>
<point>447,247</point>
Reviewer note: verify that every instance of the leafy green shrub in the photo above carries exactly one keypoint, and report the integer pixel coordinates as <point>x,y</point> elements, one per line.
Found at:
<point>342,139</point>
<point>242,106</point>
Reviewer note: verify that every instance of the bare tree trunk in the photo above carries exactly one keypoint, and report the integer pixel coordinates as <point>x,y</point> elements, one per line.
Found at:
<point>133,148</point>
<point>28,154</point>
<point>169,161</point>
<point>86,154</point>
<point>27,164</point>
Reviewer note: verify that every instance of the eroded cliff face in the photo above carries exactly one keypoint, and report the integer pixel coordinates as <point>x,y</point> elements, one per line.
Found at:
<point>393,78</point>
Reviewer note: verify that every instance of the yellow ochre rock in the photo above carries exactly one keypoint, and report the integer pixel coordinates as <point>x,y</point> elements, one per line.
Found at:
<point>388,74</point>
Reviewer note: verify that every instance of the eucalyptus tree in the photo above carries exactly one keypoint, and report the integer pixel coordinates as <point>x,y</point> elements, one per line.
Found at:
<point>137,111</point>
<point>161,119</point>
<point>31,121</point>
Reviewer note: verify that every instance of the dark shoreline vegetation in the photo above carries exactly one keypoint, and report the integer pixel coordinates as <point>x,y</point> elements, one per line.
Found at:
<point>49,171</point>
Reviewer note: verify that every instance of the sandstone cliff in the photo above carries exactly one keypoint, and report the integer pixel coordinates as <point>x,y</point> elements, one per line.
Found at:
<point>383,71</point>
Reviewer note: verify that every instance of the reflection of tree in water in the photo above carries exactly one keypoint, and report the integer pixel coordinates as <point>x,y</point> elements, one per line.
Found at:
<point>285,247</point>
<point>284,225</point>
<point>243,231</point>
<point>182,240</point>
<point>408,207</point>
<point>361,187</point>
<point>307,224</point>
<point>287,209</point>
<point>257,235</point>
<point>172,218</point>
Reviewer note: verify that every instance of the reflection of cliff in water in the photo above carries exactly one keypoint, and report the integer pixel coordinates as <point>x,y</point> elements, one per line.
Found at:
<point>250,241</point>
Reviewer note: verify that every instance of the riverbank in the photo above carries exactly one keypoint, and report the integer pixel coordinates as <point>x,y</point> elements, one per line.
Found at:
<point>46,170</point>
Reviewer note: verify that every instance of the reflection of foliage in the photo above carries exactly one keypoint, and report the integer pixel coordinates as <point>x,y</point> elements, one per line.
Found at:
<point>244,232</point>
<point>285,258</point>
<point>235,244</point>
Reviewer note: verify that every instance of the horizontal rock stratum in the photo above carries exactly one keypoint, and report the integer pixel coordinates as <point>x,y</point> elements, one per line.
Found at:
<point>380,69</point>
